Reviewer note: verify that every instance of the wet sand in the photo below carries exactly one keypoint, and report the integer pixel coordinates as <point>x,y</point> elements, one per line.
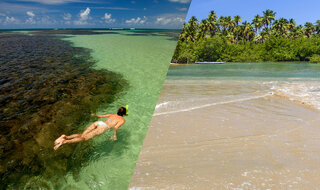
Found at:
<point>247,138</point>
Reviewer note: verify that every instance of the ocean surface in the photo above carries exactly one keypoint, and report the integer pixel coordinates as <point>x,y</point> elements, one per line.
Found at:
<point>94,71</point>
<point>294,81</point>
<point>234,126</point>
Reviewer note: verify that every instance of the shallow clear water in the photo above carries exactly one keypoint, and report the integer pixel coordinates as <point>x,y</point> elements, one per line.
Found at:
<point>234,126</point>
<point>143,61</point>
<point>142,58</point>
<point>246,70</point>
<point>295,81</point>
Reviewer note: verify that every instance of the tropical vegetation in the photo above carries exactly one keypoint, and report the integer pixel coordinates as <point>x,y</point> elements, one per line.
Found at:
<point>265,38</point>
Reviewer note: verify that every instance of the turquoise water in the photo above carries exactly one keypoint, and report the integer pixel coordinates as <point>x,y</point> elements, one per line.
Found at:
<point>246,70</point>
<point>294,81</point>
<point>143,61</point>
<point>66,76</point>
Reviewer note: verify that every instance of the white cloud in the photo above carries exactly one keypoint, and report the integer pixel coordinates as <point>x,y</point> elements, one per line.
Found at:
<point>10,20</point>
<point>2,14</point>
<point>83,17</point>
<point>85,14</point>
<point>54,2</point>
<point>47,20</point>
<point>170,20</point>
<point>31,15</point>
<point>108,18</point>
<point>180,1</point>
<point>182,9</point>
<point>67,16</point>
<point>137,20</point>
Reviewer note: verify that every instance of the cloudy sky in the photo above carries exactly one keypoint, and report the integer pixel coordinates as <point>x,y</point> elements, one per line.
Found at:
<point>301,10</point>
<point>92,13</point>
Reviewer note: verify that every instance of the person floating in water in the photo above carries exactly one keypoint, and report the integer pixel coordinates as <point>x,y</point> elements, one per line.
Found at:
<point>113,121</point>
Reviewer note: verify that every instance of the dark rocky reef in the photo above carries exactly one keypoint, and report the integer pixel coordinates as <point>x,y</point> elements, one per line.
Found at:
<point>47,88</point>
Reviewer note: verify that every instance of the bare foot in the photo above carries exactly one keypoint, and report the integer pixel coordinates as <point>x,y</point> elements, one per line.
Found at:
<point>58,145</point>
<point>58,140</point>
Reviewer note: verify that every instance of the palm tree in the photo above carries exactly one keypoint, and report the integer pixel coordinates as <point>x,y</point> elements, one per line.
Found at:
<point>296,32</point>
<point>257,22</point>
<point>309,29</point>
<point>203,28</point>
<point>291,24</point>
<point>182,36</point>
<point>229,24</point>
<point>212,22</point>
<point>280,27</point>
<point>246,31</point>
<point>268,17</point>
<point>237,20</point>
<point>222,23</point>
<point>264,35</point>
<point>318,27</point>
<point>191,29</point>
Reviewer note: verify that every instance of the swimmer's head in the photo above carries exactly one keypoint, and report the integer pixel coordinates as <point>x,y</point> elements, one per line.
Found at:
<point>122,111</point>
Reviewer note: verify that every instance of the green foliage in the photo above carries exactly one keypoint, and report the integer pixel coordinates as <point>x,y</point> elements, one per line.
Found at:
<point>210,49</point>
<point>315,58</point>
<point>265,39</point>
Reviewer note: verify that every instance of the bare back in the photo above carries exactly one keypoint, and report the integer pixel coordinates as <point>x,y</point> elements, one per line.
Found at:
<point>113,120</point>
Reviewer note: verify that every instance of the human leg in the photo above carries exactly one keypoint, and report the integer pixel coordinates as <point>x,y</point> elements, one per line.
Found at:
<point>72,136</point>
<point>96,132</point>
<point>90,128</point>
<point>75,139</point>
<point>59,139</point>
<point>92,131</point>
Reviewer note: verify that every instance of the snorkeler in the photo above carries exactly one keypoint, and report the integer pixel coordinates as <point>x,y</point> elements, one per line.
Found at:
<point>113,121</point>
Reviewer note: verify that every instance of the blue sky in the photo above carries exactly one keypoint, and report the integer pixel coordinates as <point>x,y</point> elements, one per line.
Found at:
<point>92,13</point>
<point>300,10</point>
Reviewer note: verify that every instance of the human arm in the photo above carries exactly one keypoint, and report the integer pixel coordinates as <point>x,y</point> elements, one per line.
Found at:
<point>101,116</point>
<point>114,138</point>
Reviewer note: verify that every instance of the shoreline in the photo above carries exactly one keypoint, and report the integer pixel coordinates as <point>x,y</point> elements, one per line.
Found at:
<point>299,103</point>
<point>232,133</point>
<point>279,62</point>
<point>237,153</point>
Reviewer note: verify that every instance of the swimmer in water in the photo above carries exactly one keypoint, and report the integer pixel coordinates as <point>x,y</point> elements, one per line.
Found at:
<point>113,121</point>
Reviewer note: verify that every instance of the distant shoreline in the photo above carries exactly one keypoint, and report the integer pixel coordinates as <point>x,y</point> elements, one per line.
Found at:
<point>32,29</point>
<point>279,62</point>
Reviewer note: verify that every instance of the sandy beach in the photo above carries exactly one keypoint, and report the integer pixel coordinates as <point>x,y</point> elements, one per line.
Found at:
<point>230,134</point>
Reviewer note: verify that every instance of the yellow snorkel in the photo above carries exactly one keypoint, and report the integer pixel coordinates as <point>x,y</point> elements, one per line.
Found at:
<point>127,110</point>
